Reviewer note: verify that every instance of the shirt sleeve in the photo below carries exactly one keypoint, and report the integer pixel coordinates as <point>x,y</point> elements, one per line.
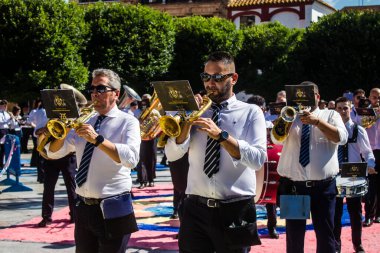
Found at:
<point>67,148</point>
<point>176,151</point>
<point>253,149</point>
<point>129,148</point>
<point>336,120</point>
<point>365,147</point>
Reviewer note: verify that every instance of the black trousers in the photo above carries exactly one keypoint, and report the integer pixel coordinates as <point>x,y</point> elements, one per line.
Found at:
<point>354,206</point>
<point>2,150</point>
<point>90,235</point>
<point>372,199</point>
<point>146,168</point>
<point>178,171</point>
<point>26,132</point>
<point>67,165</point>
<point>271,215</point>
<point>322,206</point>
<point>202,228</point>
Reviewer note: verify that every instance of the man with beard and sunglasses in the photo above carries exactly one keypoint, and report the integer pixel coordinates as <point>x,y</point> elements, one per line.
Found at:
<point>225,147</point>
<point>107,147</point>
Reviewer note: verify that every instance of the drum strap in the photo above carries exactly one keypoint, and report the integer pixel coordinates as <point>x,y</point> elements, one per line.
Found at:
<point>354,137</point>
<point>344,148</point>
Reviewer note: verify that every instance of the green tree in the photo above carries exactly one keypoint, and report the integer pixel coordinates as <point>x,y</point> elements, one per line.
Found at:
<point>263,58</point>
<point>196,38</point>
<point>40,43</point>
<point>340,52</point>
<point>135,41</point>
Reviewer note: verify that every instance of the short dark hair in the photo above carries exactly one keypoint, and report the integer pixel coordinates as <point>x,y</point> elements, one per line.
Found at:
<point>356,92</point>
<point>341,100</point>
<point>311,84</point>
<point>257,100</point>
<point>222,56</point>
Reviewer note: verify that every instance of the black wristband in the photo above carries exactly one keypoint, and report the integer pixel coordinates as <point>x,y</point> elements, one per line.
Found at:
<point>99,139</point>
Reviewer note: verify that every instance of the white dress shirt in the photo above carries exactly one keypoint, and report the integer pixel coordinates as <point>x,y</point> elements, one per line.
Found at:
<point>106,177</point>
<point>38,118</point>
<point>374,135</point>
<point>361,146</point>
<point>235,178</point>
<point>5,120</point>
<point>323,153</point>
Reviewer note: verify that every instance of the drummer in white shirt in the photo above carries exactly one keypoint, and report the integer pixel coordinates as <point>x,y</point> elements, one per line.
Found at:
<point>358,144</point>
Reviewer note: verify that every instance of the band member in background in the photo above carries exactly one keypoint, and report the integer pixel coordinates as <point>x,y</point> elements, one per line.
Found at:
<point>312,171</point>
<point>5,121</point>
<point>107,147</point>
<point>357,95</point>
<point>358,144</point>
<point>226,145</point>
<point>372,205</point>
<point>271,208</point>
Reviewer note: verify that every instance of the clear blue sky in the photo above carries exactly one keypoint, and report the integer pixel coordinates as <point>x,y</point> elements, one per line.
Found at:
<point>339,4</point>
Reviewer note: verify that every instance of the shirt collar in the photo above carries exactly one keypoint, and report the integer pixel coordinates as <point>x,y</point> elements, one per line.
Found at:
<point>230,101</point>
<point>113,112</point>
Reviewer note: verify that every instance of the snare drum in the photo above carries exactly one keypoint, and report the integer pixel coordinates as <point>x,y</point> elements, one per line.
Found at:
<point>351,187</point>
<point>267,178</point>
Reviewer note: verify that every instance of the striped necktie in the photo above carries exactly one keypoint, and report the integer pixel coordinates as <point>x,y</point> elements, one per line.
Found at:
<point>81,176</point>
<point>304,159</point>
<point>212,157</point>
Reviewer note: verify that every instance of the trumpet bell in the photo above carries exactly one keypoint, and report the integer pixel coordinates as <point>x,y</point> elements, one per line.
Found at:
<point>170,125</point>
<point>288,114</point>
<point>57,129</point>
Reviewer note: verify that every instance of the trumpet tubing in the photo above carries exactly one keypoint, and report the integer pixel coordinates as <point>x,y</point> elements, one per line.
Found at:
<point>171,125</point>
<point>280,130</point>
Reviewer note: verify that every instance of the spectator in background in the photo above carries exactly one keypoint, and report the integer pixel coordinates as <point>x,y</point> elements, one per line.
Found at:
<point>322,104</point>
<point>281,96</point>
<point>5,121</point>
<point>331,105</point>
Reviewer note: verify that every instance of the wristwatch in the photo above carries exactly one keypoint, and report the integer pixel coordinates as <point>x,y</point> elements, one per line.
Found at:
<point>99,139</point>
<point>223,136</point>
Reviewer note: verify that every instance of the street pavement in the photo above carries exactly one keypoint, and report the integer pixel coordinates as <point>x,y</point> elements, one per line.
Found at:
<point>19,207</point>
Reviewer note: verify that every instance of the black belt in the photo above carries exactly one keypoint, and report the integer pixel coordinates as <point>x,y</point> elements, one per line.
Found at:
<point>212,203</point>
<point>91,201</point>
<point>308,183</point>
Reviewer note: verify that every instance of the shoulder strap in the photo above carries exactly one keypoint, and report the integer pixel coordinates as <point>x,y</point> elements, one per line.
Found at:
<point>354,137</point>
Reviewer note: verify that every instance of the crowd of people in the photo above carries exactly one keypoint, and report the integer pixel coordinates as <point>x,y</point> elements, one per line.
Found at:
<point>213,164</point>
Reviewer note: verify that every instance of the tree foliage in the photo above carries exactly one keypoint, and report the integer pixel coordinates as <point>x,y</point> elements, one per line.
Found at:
<point>135,41</point>
<point>263,58</point>
<point>340,52</point>
<point>196,38</point>
<point>39,46</point>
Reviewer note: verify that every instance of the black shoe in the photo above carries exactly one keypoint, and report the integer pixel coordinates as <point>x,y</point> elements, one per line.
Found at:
<point>44,222</point>
<point>367,223</point>
<point>174,216</point>
<point>273,233</point>
<point>142,186</point>
<point>359,249</point>
<point>151,184</point>
<point>377,219</point>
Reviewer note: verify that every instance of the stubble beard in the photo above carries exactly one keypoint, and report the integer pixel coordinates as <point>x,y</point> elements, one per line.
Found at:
<point>222,95</point>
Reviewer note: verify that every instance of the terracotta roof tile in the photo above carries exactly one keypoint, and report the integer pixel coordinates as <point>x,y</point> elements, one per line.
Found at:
<point>240,3</point>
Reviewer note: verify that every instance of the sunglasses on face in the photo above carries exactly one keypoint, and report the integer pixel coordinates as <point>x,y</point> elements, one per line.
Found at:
<point>100,89</point>
<point>343,108</point>
<point>217,77</point>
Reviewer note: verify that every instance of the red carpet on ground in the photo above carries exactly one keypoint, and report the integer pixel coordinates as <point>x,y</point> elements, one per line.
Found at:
<point>157,231</point>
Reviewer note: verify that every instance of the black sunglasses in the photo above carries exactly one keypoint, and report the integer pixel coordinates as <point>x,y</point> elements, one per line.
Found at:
<point>100,89</point>
<point>217,77</point>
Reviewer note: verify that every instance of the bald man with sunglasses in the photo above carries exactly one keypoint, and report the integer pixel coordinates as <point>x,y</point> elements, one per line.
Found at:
<point>226,146</point>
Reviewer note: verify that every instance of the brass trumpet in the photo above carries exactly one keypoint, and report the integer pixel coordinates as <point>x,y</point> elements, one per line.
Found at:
<point>57,128</point>
<point>280,130</point>
<point>369,121</point>
<point>171,125</point>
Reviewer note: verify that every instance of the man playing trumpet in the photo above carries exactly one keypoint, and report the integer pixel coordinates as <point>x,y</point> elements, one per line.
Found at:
<point>107,147</point>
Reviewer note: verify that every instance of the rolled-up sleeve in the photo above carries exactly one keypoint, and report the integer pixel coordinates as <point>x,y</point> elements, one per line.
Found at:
<point>129,148</point>
<point>336,120</point>
<point>176,151</point>
<point>253,149</point>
